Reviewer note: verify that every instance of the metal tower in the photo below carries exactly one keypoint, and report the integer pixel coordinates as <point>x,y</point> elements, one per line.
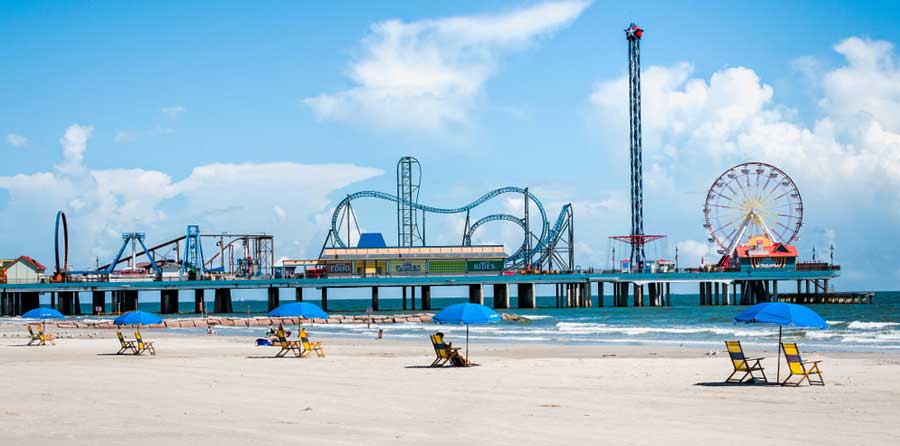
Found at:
<point>633,35</point>
<point>193,253</point>
<point>409,177</point>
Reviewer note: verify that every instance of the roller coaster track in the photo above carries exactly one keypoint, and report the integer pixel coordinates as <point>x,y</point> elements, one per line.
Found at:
<point>547,237</point>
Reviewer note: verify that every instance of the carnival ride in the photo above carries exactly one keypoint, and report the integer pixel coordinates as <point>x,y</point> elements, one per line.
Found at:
<point>550,245</point>
<point>236,255</point>
<point>749,200</point>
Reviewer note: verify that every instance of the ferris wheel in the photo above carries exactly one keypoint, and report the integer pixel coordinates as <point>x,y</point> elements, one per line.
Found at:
<point>752,199</point>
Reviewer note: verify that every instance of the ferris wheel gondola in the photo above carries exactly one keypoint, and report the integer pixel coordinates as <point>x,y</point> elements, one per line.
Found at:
<point>750,200</point>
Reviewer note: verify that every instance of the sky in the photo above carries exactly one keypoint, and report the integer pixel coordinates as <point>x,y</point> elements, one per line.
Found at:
<point>261,116</point>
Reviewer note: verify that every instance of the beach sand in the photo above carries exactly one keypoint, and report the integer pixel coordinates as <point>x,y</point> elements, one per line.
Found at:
<point>224,390</point>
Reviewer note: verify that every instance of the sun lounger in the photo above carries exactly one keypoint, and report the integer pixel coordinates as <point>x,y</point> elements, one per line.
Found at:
<point>34,336</point>
<point>309,347</point>
<point>444,353</point>
<point>742,364</point>
<point>125,345</point>
<point>142,346</point>
<point>808,370</point>
<point>286,345</point>
<point>39,337</point>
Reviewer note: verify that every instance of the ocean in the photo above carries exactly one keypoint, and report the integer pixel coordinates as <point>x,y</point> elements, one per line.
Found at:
<point>873,327</point>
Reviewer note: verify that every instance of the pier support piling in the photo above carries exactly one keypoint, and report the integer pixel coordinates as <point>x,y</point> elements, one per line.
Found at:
<point>30,301</point>
<point>476,294</point>
<point>298,294</point>
<point>324,298</point>
<point>168,301</point>
<point>4,304</point>
<point>98,302</point>
<point>223,302</point>
<point>274,297</point>
<point>404,298</point>
<point>501,296</point>
<point>199,301</point>
<point>426,297</point>
<point>374,298</point>
<point>66,302</point>
<point>526,295</point>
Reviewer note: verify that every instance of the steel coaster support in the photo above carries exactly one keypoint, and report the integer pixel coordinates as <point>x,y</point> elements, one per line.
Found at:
<point>409,178</point>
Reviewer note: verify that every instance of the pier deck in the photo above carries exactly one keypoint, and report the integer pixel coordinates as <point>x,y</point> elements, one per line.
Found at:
<point>572,290</point>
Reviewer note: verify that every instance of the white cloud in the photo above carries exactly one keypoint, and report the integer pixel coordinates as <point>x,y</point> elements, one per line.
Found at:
<point>846,163</point>
<point>869,85</point>
<point>693,253</point>
<point>730,118</point>
<point>16,140</point>
<point>102,203</point>
<point>425,75</point>
<point>173,111</point>
<point>280,214</point>
<point>74,142</point>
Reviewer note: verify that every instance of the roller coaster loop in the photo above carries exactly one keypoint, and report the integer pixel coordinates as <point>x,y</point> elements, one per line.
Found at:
<point>547,235</point>
<point>61,268</point>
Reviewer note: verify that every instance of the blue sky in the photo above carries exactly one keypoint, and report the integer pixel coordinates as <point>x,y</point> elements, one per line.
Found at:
<point>260,116</point>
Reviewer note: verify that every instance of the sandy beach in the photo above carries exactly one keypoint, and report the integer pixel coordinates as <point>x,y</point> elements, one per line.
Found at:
<point>223,389</point>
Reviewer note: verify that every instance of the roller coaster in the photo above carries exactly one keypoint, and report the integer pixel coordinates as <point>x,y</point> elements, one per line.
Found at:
<point>550,246</point>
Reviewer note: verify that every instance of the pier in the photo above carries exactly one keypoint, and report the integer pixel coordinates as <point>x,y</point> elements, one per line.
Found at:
<point>577,290</point>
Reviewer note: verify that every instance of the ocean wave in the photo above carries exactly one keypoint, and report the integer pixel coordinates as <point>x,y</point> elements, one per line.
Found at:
<point>536,317</point>
<point>598,328</point>
<point>861,325</point>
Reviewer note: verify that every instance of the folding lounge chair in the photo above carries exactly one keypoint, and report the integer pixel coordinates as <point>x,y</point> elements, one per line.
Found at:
<point>142,346</point>
<point>286,346</point>
<point>309,347</point>
<point>808,370</point>
<point>743,364</point>
<point>445,353</point>
<point>125,345</point>
<point>44,337</point>
<point>34,336</point>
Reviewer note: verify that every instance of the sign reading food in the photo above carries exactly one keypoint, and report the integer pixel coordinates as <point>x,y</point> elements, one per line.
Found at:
<point>339,268</point>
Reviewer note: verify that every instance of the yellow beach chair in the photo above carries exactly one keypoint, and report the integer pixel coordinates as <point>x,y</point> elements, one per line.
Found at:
<point>309,347</point>
<point>286,345</point>
<point>742,364</point>
<point>445,352</point>
<point>125,345</point>
<point>40,336</point>
<point>34,336</point>
<point>141,346</point>
<point>808,370</point>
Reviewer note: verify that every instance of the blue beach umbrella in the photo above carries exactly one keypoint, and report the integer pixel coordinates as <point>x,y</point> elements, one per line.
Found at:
<point>782,314</point>
<point>137,318</point>
<point>468,314</point>
<point>299,309</point>
<point>43,313</point>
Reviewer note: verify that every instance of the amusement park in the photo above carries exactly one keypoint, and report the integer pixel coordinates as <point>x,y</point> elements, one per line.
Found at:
<point>752,213</point>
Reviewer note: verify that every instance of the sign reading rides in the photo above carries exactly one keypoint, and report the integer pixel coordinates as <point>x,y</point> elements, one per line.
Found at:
<point>485,266</point>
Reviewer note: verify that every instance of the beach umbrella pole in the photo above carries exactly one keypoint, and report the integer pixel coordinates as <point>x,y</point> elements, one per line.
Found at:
<point>778,372</point>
